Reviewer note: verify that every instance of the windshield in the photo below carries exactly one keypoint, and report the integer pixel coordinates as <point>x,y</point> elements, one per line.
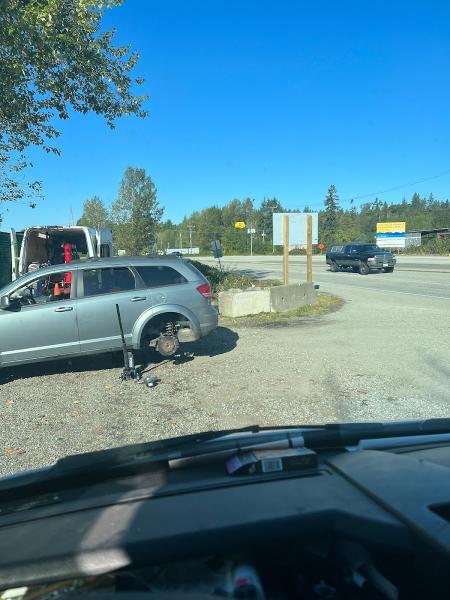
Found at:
<point>372,248</point>
<point>243,154</point>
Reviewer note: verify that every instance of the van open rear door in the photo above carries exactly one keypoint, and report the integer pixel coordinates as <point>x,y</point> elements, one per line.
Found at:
<point>104,242</point>
<point>14,255</point>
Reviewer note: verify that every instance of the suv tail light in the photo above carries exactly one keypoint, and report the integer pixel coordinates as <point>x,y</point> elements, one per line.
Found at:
<point>205,290</point>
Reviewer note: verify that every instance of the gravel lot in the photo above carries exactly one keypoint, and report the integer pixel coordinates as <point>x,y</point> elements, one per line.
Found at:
<point>379,357</point>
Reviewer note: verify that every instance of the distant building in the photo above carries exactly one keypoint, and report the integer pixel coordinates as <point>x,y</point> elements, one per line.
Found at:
<point>414,237</point>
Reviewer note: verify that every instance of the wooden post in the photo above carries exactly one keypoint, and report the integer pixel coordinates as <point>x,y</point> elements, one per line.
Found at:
<point>309,273</point>
<point>285,249</point>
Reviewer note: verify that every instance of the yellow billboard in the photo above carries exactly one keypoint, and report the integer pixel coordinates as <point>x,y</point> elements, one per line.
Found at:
<point>392,227</point>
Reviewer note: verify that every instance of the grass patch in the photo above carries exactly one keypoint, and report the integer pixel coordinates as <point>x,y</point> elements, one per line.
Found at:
<point>326,303</point>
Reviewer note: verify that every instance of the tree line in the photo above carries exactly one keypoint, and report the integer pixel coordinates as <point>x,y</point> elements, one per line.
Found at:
<point>136,219</point>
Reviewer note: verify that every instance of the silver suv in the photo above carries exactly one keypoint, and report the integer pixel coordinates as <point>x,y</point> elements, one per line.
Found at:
<point>70,310</point>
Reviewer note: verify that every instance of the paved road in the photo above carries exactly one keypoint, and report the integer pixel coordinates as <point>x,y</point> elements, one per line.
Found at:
<point>424,277</point>
<point>393,335</point>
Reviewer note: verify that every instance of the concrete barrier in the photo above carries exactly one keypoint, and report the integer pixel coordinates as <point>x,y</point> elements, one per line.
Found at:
<point>288,297</point>
<point>238,303</point>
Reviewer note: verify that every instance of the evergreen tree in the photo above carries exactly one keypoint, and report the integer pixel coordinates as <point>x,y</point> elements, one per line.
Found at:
<point>329,218</point>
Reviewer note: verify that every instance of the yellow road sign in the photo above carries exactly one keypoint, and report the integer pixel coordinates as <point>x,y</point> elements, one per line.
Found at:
<point>239,225</point>
<point>392,227</point>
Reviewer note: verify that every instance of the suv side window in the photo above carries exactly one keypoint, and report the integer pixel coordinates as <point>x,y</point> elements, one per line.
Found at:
<point>156,275</point>
<point>50,288</point>
<point>108,281</point>
<point>354,250</point>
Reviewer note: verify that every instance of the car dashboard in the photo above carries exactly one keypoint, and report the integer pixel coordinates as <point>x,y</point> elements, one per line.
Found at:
<point>363,524</point>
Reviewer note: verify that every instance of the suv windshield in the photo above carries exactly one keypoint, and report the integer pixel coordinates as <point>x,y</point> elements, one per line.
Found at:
<point>222,215</point>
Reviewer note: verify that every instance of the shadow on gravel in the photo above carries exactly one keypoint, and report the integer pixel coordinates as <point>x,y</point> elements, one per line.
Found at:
<point>111,360</point>
<point>219,341</point>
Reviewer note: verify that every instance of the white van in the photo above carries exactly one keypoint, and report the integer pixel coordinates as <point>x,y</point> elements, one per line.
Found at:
<point>44,245</point>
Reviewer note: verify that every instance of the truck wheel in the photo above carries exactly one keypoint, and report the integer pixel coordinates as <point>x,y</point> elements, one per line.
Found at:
<point>364,269</point>
<point>333,267</point>
<point>389,270</point>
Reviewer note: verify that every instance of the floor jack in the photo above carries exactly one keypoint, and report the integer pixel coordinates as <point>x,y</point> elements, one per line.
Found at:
<point>129,371</point>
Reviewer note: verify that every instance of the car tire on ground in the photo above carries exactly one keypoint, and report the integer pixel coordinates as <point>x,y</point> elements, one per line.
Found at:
<point>389,270</point>
<point>364,268</point>
<point>333,267</point>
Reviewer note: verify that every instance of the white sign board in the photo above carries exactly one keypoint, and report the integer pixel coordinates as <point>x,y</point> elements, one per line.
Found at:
<point>391,234</point>
<point>183,250</point>
<point>391,242</point>
<point>297,228</point>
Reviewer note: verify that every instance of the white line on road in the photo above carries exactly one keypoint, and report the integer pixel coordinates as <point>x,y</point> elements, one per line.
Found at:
<point>363,287</point>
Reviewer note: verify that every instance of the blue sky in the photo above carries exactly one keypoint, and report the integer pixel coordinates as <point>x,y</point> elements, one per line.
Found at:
<point>256,98</point>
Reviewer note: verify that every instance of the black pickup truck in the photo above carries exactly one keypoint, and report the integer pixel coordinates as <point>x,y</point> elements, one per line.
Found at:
<point>361,258</point>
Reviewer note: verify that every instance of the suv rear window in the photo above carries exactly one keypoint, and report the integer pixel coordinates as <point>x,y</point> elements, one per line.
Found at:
<point>159,275</point>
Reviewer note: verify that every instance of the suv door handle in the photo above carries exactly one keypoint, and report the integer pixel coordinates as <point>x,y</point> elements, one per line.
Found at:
<point>64,308</point>
<point>138,298</point>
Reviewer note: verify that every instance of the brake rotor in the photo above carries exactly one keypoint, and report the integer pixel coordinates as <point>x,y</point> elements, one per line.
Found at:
<point>167,345</point>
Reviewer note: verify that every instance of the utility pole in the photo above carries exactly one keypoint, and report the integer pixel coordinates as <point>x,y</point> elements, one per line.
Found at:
<point>309,276</point>
<point>191,228</point>
<point>251,239</point>
<point>181,241</point>
<point>70,217</point>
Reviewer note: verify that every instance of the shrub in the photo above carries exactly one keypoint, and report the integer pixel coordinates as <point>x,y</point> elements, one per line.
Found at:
<point>225,280</point>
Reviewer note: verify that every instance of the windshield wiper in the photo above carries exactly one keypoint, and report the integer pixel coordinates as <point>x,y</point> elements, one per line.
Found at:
<point>105,464</point>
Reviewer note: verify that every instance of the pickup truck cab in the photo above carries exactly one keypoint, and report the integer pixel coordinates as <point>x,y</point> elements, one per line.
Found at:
<point>361,258</point>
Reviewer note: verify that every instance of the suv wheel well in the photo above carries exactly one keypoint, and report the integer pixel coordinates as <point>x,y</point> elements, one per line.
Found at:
<point>158,324</point>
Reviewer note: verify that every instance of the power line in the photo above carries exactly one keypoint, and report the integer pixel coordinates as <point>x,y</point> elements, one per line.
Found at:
<point>380,192</point>
<point>397,187</point>
<point>353,198</point>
